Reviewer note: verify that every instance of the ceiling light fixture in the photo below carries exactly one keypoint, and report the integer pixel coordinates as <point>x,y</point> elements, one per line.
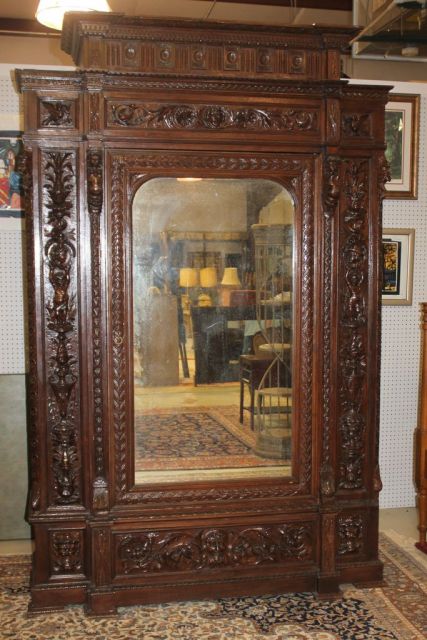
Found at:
<point>51,12</point>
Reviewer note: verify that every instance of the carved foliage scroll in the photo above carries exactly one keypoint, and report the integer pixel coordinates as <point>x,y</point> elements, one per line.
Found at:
<point>214,117</point>
<point>154,552</point>
<point>353,326</point>
<point>60,254</point>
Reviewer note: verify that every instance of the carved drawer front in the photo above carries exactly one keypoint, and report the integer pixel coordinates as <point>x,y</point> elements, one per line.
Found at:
<point>57,114</point>
<point>66,553</point>
<point>213,548</point>
<point>293,119</point>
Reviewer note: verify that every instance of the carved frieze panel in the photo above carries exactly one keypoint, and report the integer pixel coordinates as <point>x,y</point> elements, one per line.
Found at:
<point>353,356</point>
<point>59,198</point>
<point>213,117</point>
<point>213,548</point>
<point>66,552</point>
<point>57,113</point>
<point>350,534</point>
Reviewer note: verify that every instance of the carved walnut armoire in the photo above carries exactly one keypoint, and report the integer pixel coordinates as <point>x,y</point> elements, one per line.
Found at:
<point>174,99</point>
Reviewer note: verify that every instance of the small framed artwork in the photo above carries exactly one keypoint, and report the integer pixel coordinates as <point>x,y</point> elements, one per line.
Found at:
<point>398,265</point>
<point>402,114</point>
<point>11,212</point>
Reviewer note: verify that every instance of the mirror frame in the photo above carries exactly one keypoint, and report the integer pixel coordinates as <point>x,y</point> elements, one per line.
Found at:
<point>129,171</point>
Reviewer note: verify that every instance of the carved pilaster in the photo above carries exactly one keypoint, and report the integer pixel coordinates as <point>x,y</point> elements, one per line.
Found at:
<point>353,330</point>
<point>331,194</point>
<point>95,201</point>
<point>60,254</point>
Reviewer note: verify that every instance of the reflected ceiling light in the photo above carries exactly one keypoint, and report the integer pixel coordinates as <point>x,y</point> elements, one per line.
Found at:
<point>189,179</point>
<point>51,12</point>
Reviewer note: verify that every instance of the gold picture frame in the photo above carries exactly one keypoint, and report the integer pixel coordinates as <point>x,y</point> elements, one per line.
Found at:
<point>402,116</point>
<point>397,266</point>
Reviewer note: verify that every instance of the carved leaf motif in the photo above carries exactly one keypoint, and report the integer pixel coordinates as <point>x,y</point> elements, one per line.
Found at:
<point>211,117</point>
<point>211,548</point>
<point>353,360</point>
<point>350,534</point>
<point>60,252</point>
<point>66,552</point>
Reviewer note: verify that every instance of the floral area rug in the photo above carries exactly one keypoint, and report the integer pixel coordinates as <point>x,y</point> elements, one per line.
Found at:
<point>396,611</point>
<point>195,438</point>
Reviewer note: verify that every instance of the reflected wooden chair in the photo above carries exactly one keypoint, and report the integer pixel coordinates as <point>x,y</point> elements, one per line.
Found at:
<point>252,369</point>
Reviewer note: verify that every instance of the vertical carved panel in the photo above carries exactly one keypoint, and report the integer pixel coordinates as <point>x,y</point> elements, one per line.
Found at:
<point>94,200</point>
<point>101,555</point>
<point>66,552</point>
<point>118,323</point>
<point>59,192</point>
<point>353,327</point>
<point>350,535</point>
<point>331,193</point>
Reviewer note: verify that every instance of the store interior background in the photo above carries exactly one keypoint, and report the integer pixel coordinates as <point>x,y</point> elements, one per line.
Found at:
<point>400,334</point>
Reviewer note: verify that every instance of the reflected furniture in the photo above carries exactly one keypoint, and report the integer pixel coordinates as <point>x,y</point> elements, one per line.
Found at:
<point>219,101</point>
<point>421,439</point>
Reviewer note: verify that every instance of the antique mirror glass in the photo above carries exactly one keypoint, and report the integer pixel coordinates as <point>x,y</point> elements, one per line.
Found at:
<point>213,272</point>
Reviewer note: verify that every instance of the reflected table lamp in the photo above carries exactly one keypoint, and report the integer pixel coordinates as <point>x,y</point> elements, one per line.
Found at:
<point>208,280</point>
<point>230,281</point>
<point>188,279</point>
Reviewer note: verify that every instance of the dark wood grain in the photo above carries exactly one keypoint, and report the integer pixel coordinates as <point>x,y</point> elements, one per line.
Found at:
<point>213,101</point>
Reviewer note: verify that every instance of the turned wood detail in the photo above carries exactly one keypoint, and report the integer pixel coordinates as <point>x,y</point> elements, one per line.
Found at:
<point>213,117</point>
<point>60,254</point>
<point>421,439</point>
<point>353,359</point>
<point>212,548</point>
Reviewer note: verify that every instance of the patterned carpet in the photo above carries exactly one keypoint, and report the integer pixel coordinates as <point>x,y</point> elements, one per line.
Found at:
<point>397,611</point>
<point>196,438</point>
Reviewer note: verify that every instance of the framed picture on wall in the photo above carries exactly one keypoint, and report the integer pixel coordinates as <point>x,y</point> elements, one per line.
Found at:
<point>401,135</point>
<point>10,179</point>
<point>398,265</point>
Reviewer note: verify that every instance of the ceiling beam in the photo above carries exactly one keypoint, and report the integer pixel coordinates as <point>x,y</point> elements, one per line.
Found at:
<point>20,27</point>
<point>331,5</point>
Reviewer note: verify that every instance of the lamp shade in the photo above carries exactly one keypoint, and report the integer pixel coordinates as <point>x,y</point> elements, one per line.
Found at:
<point>188,277</point>
<point>231,277</point>
<point>208,277</point>
<point>51,12</point>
